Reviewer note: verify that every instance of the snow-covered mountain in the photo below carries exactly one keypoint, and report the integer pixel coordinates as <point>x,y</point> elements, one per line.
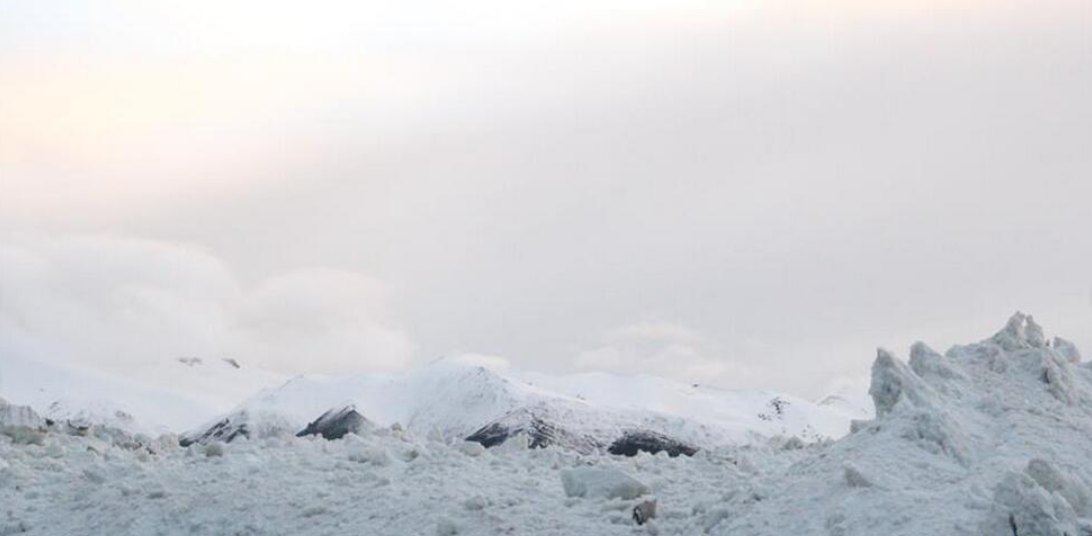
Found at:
<point>455,400</point>
<point>156,397</point>
<point>451,397</point>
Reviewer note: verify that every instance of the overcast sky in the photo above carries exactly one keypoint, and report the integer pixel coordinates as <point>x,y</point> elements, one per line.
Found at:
<point>749,193</point>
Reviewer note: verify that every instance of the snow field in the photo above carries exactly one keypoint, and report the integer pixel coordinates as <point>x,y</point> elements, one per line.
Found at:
<point>386,483</point>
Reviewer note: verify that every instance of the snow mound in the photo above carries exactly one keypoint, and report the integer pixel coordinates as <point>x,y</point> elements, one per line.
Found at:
<point>990,438</point>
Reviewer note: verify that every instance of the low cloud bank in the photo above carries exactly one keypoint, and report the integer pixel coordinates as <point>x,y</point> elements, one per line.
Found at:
<point>107,302</point>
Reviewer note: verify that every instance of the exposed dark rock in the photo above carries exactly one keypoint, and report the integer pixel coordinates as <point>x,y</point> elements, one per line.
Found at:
<point>644,511</point>
<point>335,424</point>
<point>491,435</point>
<point>224,430</point>
<point>651,442</point>
<point>777,407</point>
<point>540,433</point>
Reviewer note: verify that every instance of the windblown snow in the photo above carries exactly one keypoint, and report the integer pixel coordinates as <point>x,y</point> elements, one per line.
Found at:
<point>988,439</point>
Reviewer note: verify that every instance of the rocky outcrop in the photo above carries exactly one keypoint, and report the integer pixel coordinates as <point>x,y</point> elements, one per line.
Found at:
<point>540,433</point>
<point>636,441</point>
<point>336,424</point>
<point>225,430</point>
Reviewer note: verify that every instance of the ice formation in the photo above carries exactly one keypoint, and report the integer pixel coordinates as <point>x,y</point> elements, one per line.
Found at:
<point>987,439</point>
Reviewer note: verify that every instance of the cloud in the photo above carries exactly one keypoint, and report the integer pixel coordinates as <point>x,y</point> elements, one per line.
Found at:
<point>331,320</point>
<point>653,331</point>
<point>797,182</point>
<point>662,349</point>
<point>99,300</point>
<point>109,302</point>
<point>491,362</point>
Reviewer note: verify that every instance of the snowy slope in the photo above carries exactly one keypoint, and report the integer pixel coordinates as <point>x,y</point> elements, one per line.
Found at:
<point>736,413</point>
<point>158,397</point>
<point>453,400</point>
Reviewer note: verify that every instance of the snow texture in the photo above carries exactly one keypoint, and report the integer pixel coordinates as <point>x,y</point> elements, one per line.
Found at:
<point>987,439</point>
<point>601,483</point>
<point>14,415</point>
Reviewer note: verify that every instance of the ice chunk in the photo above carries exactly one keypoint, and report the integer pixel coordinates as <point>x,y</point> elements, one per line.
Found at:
<point>601,483</point>
<point>1051,479</point>
<point>1057,375</point>
<point>894,382</point>
<point>1033,333</point>
<point>471,448</point>
<point>1067,350</point>
<point>1022,506</point>
<point>927,363</point>
<point>854,478</point>
<point>15,415</point>
<point>23,435</point>
<point>370,454</point>
<point>1020,332</point>
<point>644,511</point>
<point>937,433</point>
<point>1012,336</point>
<point>214,450</point>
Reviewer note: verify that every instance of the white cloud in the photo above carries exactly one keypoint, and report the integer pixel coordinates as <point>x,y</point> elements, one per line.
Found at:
<point>799,181</point>
<point>662,349</point>
<point>105,300</point>
<point>332,321</point>
<point>491,362</point>
<point>653,331</point>
<point>110,302</point>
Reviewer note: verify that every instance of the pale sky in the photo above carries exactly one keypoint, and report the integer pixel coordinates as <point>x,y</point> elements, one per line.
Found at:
<point>748,193</point>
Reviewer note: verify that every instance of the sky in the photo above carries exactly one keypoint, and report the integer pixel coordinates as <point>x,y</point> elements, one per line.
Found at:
<point>748,193</point>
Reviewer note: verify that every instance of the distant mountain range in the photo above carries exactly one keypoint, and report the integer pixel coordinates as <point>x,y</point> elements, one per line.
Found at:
<point>220,400</point>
